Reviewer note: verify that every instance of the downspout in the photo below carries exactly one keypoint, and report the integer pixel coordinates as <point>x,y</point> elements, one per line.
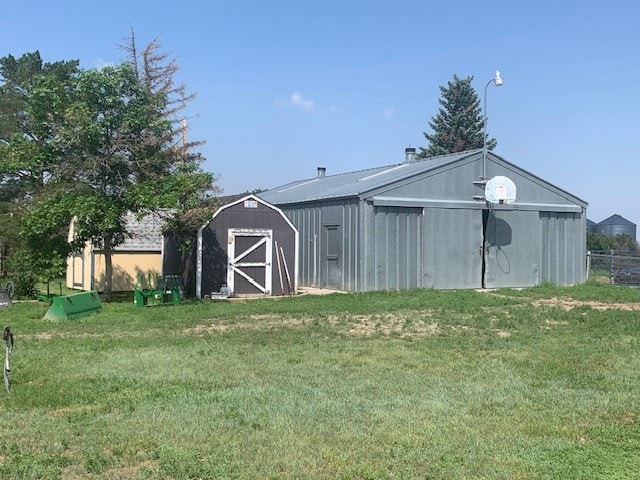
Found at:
<point>199,263</point>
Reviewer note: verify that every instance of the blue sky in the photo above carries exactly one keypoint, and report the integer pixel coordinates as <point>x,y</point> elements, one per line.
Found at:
<point>286,86</point>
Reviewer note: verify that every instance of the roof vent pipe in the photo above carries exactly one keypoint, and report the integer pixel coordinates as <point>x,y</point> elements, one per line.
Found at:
<point>410,154</point>
<point>322,171</point>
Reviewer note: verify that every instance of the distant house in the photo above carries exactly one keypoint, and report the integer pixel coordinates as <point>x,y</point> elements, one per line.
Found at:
<point>591,226</point>
<point>616,225</point>
<point>427,224</point>
<point>140,254</point>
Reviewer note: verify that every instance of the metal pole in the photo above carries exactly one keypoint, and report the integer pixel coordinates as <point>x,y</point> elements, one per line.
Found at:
<point>497,81</point>
<point>484,132</point>
<point>611,267</point>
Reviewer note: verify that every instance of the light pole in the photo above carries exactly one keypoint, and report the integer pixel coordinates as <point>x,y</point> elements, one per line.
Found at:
<point>497,81</point>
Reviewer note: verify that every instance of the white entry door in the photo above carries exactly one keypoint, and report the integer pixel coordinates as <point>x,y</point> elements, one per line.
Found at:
<point>249,257</point>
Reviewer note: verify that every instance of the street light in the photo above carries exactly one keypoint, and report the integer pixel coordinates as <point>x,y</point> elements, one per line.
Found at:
<point>497,81</point>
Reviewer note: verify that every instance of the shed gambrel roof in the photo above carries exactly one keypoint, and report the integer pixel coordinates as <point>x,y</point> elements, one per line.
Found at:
<point>361,182</point>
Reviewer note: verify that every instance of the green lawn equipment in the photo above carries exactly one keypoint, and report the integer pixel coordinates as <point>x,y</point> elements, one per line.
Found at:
<point>48,297</point>
<point>166,290</point>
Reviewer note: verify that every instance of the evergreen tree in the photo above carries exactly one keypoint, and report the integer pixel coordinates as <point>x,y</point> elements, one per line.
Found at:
<point>459,124</point>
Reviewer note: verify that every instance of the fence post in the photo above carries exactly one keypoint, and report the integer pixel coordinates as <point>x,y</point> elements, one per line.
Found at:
<point>588,263</point>
<point>611,268</point>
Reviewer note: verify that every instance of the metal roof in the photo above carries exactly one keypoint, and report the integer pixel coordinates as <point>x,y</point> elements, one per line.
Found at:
<point>356,183</point>
<point>359,183</point>
<point>616,220</point>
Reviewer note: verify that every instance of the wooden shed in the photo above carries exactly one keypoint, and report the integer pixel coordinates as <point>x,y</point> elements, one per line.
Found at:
<point>139,254</point>
<point>250,247</point>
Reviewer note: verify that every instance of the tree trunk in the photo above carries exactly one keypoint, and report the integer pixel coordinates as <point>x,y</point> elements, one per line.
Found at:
<point>108,267</point>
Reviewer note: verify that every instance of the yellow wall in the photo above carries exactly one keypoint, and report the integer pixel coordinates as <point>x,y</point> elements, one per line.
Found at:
<point>127,267</point>
<point>79,269</point>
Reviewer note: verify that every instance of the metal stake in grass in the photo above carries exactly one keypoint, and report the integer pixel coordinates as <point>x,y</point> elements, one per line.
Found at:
<point>279,268</point>
<point>286,270</point>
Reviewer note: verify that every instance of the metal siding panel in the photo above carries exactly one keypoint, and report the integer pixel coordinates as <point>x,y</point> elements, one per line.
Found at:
<point>563,249</point>
<point>563,256</point>
<point>379,253</point>
<point>310,221</point>
<point>396,248</point>
<point>402,246</point>
<point>369,248</point>
<point>452,240</point>
<point>514,249</point>
<point>352,236</point>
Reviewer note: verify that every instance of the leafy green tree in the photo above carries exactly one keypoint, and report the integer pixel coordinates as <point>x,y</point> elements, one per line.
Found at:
<point>458,126</point>
<point>100,156</point>
<point>105,144</point>
<point>624,241</point>
<point>119,159</point>
<point>33,94</point>
<point>598,241</point>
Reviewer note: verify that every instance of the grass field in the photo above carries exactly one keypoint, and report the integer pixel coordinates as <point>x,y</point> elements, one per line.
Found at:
<point>541,383</point>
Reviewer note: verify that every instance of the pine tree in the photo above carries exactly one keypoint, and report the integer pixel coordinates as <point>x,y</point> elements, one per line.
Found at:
<point>459,124</point>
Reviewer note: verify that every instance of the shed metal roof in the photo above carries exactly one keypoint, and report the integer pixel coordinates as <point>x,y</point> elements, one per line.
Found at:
<point>358,183</point>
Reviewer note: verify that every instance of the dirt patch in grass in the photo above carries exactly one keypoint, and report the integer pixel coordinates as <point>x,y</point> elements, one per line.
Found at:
<point>417,325</point>
<point>389,324</point>
<point>267,321</point>
<point>356,325</point>
<point>569,304</point>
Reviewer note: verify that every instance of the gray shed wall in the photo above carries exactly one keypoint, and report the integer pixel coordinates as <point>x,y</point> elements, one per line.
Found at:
<point>315,223</point>
<point>563,259</point>
<point>427,231</point>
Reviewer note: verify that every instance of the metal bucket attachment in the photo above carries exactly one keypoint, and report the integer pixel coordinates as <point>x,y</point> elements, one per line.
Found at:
<point>74,306</point>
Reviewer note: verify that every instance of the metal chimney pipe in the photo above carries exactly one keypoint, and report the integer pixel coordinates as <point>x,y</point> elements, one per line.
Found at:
<point>322,171</point>
<point>410,154</point>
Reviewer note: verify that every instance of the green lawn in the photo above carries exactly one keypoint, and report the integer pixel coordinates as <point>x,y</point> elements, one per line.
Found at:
<point>541,383</point>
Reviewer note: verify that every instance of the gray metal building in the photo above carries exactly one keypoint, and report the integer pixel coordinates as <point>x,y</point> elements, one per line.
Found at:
<point>616,225</point>
<point>425,223</point>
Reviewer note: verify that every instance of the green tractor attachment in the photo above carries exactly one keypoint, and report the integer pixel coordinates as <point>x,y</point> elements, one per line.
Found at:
<point>72,306</point>
<point>48,297</point>
<point>167,290</point>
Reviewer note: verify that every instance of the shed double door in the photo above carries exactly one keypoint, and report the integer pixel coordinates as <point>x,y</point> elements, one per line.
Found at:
<point>512,248</point>
<point>483,248</point>
<point>249,256</point>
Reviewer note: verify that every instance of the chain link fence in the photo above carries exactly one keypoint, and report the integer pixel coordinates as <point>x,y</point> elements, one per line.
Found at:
<point>614,266</point>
